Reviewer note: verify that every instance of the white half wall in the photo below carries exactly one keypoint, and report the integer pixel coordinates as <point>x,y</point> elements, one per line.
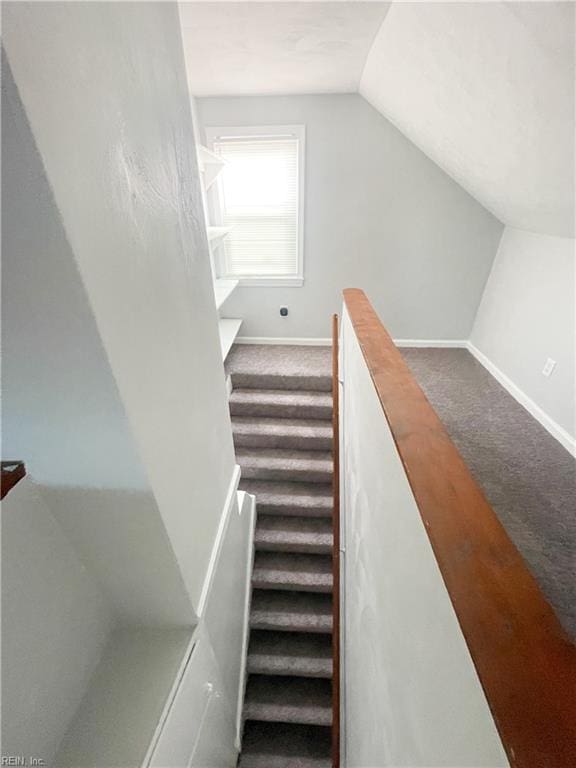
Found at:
<point>379,215</point>
<point>527,315</point>
<point>226,614</point>
<point>412,696</point>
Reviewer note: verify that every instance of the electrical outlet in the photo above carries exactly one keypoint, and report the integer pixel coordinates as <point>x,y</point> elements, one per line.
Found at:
<point>549,367</point>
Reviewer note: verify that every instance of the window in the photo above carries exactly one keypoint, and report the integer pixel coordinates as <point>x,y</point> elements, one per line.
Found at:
<point>260,199</point>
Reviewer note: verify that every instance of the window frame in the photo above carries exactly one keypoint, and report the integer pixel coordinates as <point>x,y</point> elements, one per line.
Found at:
<point>215,133</point>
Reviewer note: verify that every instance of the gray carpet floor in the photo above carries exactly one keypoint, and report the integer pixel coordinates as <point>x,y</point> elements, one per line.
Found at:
<point>528,477</point>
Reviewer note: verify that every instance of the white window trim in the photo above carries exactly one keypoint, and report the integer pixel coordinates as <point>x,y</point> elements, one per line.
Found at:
<point>298,131</point>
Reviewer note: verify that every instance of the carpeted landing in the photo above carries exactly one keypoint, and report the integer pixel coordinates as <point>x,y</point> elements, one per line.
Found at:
<point>527,476</point>
<point>281,406</point>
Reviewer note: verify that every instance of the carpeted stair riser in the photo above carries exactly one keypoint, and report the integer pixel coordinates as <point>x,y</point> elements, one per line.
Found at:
<point>265,745</point>
<point>292,383</point>
<point>294,434</point>
<point>290,653</point>
<point>285,466</point>
<point>291,611</point>
<point>293,367</point>
<point>302,700</point>
<point>293,534</point>
<point>287,499</point>
<point>281,404</point>
<point>303,573</point>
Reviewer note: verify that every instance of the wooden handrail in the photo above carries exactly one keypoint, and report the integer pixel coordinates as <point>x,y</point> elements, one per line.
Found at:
<point>335,552</point>
<point>525,661</point>
<point>12,472</point>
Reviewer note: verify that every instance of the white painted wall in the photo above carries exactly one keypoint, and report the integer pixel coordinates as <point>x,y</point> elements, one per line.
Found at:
<point>104,89</point>
<point>61,409</point>
<point>412,695</point>
<point>199,731</point>
<point>379,215</point>
<point>116,386</point>
<point>204,721</point>
<point>55,625</point>
<point>528,314</point>
<point>486,89</point>
<point>116,720</point>
<point>227,608</point>
<point>120,537</point>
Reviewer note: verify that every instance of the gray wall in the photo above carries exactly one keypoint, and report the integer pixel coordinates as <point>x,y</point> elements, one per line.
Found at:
<point>527,314</point>
<point>379,215</point>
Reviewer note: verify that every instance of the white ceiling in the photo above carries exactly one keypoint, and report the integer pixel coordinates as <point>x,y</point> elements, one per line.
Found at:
<point>485,89</point>
<point>277,47</point>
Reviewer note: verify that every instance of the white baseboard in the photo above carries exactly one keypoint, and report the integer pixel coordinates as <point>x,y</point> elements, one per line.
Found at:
<point>217,546</point>
<point>558,432</point>
<point>432,343</point>
<point>250,502</point>
<point>324,342</point>
<point>298,341</point>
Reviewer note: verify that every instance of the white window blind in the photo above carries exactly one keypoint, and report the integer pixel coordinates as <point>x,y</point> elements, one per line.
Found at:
<point>259,199</point>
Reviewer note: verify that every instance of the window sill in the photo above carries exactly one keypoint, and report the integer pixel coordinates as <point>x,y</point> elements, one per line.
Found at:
<point>270,282</point>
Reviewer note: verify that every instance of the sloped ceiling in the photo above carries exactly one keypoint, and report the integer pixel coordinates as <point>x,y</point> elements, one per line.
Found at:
<point>485,89</point>
<point>277,47</point>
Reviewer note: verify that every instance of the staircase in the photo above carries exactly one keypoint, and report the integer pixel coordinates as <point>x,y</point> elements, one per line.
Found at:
<point>281,408</point>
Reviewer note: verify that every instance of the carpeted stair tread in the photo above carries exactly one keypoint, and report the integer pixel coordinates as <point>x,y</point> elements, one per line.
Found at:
<point>303,700</point>
<point>300,434</point>
<point>281,408</point>
<point>300,499</point>
<point>285,465</point>
<point>290,653</point>
<point>310,383</point>
<point>269,745</point>
<point>293,534</point>
<point>291,611</point>
<point>279,570</point>
<point>286,404</point>
<point>280,366</point>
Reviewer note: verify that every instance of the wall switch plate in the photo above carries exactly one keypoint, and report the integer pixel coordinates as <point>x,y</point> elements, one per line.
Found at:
<point>549,367</point>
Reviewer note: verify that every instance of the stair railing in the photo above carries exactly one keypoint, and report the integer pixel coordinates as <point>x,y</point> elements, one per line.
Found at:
<point>335,552</point>
<point>524,660</point>
<point>12,472</point>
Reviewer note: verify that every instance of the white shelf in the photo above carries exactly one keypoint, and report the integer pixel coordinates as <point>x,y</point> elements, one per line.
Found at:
<point>228,331</point>
<point>123,705</point>
<point>217,233</point>
<point>210,164</point>
<point>222,289</point>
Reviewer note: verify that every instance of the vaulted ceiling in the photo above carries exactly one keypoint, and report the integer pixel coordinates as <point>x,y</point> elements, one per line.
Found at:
<point>277,47</point>
<point>485,89</point>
